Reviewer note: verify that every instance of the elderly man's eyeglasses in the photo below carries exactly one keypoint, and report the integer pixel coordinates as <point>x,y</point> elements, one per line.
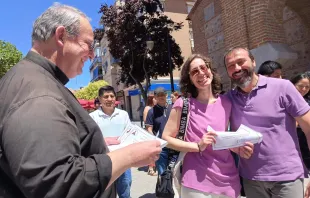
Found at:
<point>202,68</point>
<point>90,46</point>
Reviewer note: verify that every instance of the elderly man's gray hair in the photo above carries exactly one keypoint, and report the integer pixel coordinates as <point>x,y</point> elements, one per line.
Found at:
<point>57,15</point>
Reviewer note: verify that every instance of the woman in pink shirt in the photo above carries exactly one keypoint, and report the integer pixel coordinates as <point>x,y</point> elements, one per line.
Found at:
<point>205,173</point>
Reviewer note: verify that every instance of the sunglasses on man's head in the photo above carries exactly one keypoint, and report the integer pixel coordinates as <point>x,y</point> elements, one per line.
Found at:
<point>202,68</point>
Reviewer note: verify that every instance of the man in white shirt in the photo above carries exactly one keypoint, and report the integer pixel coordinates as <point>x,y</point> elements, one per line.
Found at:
<point>112,121</point>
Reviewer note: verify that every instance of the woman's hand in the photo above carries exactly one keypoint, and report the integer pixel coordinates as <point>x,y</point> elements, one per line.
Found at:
<point>207,140</point>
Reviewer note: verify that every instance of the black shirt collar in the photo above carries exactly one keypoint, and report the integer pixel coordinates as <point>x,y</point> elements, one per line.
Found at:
<point>49,66</point>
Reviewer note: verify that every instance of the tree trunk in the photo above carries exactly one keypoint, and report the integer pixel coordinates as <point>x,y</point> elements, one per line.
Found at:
<point>147,78</point>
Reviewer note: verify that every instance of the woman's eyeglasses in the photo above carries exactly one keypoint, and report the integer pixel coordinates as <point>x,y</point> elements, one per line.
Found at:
<point>202,68</point>
<point>302,86</point>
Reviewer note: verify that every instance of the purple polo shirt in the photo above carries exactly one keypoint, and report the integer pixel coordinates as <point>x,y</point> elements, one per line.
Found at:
<point>270,109</point>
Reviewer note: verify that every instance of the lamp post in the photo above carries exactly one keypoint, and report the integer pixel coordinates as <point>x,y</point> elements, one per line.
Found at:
<point>149,47</point>
<point>169,61</point>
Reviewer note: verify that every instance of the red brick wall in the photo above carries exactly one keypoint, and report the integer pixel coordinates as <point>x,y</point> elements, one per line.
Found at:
<point>234,23</point>
<point>264,20</point>
<point>252,23</point>
<point>198,23</point>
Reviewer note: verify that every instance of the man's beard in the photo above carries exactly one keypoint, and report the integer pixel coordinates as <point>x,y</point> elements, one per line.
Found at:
<point>245,80</point>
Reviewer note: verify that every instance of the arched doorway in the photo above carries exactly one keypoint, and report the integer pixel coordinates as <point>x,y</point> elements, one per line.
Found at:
<point>296,24</point>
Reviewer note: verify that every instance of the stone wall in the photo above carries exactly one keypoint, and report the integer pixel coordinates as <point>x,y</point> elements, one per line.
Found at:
<point>298,38</point>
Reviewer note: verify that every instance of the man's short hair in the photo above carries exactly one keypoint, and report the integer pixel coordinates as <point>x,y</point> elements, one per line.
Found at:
<point>104,89</point>
<point>159,90</point>
<point>268,67</point>
<point>57,15</point>
<point>235,48</point>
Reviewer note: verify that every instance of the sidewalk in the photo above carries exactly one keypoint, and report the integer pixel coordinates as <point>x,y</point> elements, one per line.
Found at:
<point>143,185</point>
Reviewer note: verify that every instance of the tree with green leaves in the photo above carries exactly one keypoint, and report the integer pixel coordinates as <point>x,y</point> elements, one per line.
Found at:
<point>91,90</point>
<point>127,28</point>
<point>9,56</point>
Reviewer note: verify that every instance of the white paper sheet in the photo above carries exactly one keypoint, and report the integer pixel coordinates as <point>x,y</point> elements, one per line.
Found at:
<point>226,140</point>
<point>133,134</point>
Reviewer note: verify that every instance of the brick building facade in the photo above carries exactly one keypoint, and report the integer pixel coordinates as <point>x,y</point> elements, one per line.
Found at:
<point>272,29</point>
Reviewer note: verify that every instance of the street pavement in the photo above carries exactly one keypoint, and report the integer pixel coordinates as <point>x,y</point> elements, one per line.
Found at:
<point>143,185</point>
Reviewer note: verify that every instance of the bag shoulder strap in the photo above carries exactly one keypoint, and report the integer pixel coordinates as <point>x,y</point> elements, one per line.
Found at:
<point>173,154</point>
<point>184,119</point>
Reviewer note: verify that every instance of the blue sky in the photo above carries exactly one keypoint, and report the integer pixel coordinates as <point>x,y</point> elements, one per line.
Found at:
<point>17,17</point>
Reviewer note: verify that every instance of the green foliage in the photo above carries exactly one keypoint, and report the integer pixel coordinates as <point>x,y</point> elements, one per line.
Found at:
<point>91,90</point>
<point>9,56</point>
<point>127,28</point>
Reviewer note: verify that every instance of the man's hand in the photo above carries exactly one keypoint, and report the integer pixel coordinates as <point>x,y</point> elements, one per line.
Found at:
<point>245,151</point>
<point>144,153</point>
<point>111,141</point>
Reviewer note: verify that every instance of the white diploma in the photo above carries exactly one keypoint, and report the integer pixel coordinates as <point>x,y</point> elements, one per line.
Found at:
<point>133,134</point>
<point>226,140</point>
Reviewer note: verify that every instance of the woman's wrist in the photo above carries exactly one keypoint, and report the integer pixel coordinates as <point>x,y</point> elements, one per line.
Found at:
<point>192,147</point>
<point>199,149</point>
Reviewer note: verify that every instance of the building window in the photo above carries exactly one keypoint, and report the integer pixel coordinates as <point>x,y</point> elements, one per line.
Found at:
<point>95,73</point>
<point>162,4</point>
<point>92,74</point>
<point>209,12</point>
<point>98,51</point>
<point>100,71</point>
<point>189,8</point>
<point>191,37</point>
<point>104,51</point>
<point>105,67</point>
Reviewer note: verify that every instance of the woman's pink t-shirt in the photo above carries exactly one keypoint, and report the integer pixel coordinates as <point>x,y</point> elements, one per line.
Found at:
<point>215,171</point>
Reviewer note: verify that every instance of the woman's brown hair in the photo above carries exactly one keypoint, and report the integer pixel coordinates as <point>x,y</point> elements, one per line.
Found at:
<point>149,101</point>
<point>187,87</point>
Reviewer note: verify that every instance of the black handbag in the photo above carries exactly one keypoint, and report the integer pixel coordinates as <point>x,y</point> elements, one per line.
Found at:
<point>164,186</point>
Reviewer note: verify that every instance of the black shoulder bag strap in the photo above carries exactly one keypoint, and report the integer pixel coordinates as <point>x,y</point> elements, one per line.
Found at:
<point>173,154</point>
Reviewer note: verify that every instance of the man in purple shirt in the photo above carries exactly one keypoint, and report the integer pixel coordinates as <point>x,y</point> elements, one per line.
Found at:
<point>270,106</point>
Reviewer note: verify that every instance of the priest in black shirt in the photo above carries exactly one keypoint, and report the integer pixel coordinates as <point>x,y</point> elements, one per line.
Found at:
<point>49,146</point>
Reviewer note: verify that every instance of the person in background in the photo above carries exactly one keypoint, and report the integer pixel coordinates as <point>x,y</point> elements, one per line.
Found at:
<point>205,172</point>
<point>151,102</point>
<point>307,96</point>
<point>141,110</point>
<point>174,96</point>
<point>112,123</point>
<point>302,84</point>
<point>156,121</point>
<point>97,103</point>
<point>50,146</point>
<point>275,169</point>
<point>270,69</point>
